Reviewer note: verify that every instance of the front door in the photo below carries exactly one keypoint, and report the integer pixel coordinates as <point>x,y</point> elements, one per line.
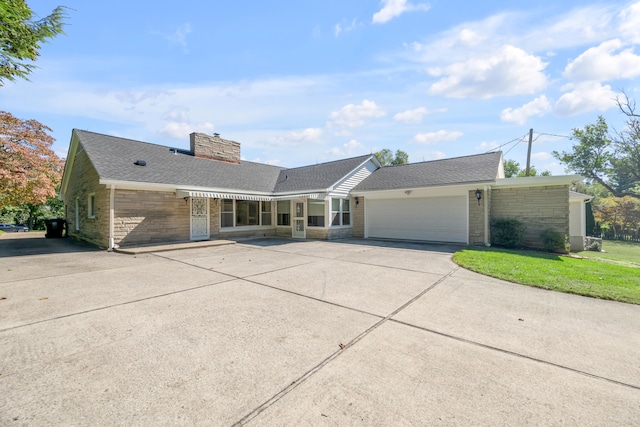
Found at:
<point>298,229</point>
<point>199,218</point>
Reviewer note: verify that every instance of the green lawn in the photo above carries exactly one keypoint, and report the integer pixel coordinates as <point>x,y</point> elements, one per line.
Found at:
<point>582,276</point>
<point>616,252</point>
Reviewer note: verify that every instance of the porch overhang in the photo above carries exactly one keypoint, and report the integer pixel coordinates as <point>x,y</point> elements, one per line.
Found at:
<point>181,194</point>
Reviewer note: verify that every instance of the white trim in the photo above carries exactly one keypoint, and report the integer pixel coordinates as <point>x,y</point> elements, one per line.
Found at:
<point>440,188</point>
<point>112,192</point>
<point>487,241</point>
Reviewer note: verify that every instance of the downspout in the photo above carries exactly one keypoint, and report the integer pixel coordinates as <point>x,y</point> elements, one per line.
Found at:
<point>112,193</point>
<point>487,241</point>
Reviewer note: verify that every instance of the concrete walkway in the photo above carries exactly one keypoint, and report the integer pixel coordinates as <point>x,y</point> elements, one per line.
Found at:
<point>284,332</point>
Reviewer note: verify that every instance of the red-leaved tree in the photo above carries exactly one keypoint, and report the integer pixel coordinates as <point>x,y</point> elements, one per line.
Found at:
<point>30,170</point>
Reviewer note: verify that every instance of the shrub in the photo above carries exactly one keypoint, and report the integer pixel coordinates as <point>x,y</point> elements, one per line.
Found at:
<point>552,241</point>
<point>595,246</point>
<point>507,232</point>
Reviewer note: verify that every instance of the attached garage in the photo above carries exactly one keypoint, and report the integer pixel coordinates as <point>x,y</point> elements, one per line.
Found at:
<point>436,219</point>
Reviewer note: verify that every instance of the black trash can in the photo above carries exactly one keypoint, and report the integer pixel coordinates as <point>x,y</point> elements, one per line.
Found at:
<point>55,227</point>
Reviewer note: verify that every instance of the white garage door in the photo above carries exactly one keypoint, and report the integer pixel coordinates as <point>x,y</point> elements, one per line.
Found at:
<point>437,219</point>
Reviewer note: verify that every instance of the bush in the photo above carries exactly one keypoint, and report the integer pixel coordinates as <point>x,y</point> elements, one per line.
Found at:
<point>595,246</point>
<point>507,232</point>
<point>552,241</point>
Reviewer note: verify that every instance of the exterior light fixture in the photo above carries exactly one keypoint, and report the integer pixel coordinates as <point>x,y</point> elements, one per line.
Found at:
<point>357,200</point>
<point>478,195</point>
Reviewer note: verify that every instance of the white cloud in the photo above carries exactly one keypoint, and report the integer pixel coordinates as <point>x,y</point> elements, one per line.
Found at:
<point>603,63</point>
<point>415,115</point>
<point>584,98</point>
<point>487,146</point>
<point>182,129</point>
<point>538,107</point>
<point>630,23</point>
<point>342,27</point>
<point>352,115</point>
<point>509,71</point>
<point>179,36</point>
<point>433,137</point>
<point>541,155</point>
<point>297,137</point>
<point>394,8</point>
<point>469,37</point>
<point>348,149</point>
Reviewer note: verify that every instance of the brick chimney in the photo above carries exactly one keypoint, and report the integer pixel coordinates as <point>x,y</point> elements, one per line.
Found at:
<point>215,148</point>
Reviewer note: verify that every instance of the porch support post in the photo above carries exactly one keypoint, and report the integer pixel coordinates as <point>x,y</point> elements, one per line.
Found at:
<point>487,240</point>
<point>112,193</point>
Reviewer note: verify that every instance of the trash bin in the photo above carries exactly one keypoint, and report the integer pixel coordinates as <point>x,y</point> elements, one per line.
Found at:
<point>55,227</point>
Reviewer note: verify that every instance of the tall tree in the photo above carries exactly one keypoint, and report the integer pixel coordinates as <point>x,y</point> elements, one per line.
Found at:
<point>20,37</point>
<point>512,170</point>
<point>614,162</point>
<point>386,157</point>
<point>29,169</point>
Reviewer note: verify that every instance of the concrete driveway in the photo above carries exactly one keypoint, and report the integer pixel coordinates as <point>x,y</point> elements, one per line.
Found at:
<point>284,332</point>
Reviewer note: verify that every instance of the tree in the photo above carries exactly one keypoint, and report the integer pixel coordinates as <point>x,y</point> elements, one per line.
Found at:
<point>386,158</point>
<point>512,170</point>
<point>29,169</point>
<point>20,37</point>
<point>613,163</point>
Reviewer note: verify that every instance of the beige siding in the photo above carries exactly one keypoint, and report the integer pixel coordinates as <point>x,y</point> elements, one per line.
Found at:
<point>150,217</point>
<point>539,208</point>
<point>82,182</point>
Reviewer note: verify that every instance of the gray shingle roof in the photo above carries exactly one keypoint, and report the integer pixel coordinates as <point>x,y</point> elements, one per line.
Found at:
<point>319,176</point>
<point>459,170</point>
<point>113,158</point>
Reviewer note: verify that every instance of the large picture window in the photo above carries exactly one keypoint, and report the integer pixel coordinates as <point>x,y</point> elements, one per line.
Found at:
<point>316,213</point>
<point>284,212</point>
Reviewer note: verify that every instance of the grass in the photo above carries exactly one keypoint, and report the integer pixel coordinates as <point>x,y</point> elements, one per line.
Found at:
<point>598,278</point>
<point>616,252</point>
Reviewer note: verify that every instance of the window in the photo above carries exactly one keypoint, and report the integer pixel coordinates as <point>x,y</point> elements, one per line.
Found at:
<point>226,213</point>
<point>266,213</point>
<point>340,212</point>
<point>284,212</point>
<point>316,213</point>
<point>247,212</point>
<point>346,212</point>
<point>91,206</point>
<point>335,211</point>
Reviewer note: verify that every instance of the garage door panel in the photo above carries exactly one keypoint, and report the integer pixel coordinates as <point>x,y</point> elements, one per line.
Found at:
<point>441,219</point>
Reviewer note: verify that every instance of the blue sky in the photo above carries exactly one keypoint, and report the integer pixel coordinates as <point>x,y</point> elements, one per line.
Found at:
<point>303,82</point>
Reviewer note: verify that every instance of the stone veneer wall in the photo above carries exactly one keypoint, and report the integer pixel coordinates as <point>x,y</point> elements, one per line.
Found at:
<point>476,218</point>
<point>83,181</point>
<point>357,215</point>
<point>539,208</point>
<point>142,217</point>
<point>214,147</point>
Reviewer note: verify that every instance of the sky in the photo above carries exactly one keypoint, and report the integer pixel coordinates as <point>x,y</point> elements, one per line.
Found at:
<point>304,82</point>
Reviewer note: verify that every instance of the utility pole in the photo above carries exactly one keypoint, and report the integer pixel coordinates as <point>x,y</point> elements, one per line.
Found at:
<point>529,152</point>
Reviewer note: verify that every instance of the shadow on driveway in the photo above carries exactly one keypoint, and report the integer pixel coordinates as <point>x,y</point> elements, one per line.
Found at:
<point>34,243</point>
<point>380,243</point>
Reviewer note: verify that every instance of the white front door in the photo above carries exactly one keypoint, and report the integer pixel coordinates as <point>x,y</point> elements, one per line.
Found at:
<point>298,229</point>
<point>199,218</point>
